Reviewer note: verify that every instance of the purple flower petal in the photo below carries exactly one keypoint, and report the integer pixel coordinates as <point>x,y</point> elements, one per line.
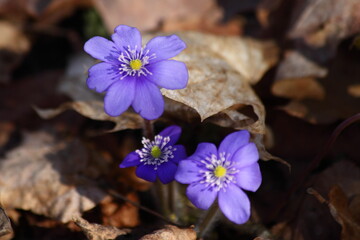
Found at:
<point>169,74</point>
<point>165,47</point>
<point>119,96</point>
<point>131,160</point>
<point>173,132</point>
<point>246,155</point>
<point>102,49</point>
<point>125,36</point>
<point>234,141</point>
<point>148,101</point>
<point>249,178</point>
<point>188,172</point>
<point>166,172</point>
<point>201,196</point>
<point>102,75</point>
<point>146,172</point>
<point>203,150</point>
<point>234,204</point>
<point>179,153</point>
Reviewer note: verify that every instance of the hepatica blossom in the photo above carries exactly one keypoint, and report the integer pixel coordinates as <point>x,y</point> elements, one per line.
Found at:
<point>157,158</point>
<point>131,74</point>
<point>223,173</point>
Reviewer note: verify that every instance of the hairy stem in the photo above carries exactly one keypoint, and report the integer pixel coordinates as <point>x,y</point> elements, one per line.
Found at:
<point>207,221</point>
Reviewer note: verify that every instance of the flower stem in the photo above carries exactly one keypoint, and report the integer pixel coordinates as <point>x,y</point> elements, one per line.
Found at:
<point>161,191</point>
<point>148,129</point>
<point>207,221</point>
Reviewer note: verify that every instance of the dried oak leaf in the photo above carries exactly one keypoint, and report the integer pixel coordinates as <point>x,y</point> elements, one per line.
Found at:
<point>99,232</point>
<point>48,177</point>
<point>220,72</point>
<point>171,233</point>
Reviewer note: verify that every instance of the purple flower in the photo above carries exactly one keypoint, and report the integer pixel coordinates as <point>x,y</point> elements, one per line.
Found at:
<point>131,74</point>
<point>223,173</point>
<point>159,157</point>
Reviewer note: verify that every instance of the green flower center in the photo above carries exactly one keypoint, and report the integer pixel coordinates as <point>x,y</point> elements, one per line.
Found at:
<point>220,171</point>
<point>136,64</point>
<point>156,152</point>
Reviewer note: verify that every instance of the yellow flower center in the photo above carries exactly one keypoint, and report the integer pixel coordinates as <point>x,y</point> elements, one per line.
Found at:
<point>135,64</point>
<point>220,171</point>
<point>155,151</point>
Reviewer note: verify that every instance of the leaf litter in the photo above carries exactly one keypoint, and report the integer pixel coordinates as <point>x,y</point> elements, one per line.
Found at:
<point>49,177</point>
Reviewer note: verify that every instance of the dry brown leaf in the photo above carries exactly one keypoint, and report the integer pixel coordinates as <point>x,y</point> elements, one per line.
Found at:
<point>95,111</point>
<point>99,232</point>
<point>150,15</point>
<point>296,78</point>
<point>48,177</point>
<point>326,22</point>
<point>339,208</point>
<point>171,233</point>
<point>6,231</point>
<point>220,70</point>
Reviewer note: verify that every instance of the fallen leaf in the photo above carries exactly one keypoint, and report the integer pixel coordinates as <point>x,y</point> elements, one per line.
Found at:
<point>6,231</point>
<point>49,177</point>
<point>339,208</point>
<point>171,233</point>
<point>169,15</point>
<point>220,72</point>
<point>296,78</point>
<point>95,110</point>
<point>98,232</point>
<point>324,23</point>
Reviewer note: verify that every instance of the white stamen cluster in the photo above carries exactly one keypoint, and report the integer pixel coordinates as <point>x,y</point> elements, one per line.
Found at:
<point>166,151</point>
<point>129,55</point>
<point>209,177</point>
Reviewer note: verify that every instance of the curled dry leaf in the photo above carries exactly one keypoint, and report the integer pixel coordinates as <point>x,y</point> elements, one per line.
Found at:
<point>49,177</point>
<point>171,233</point>
<point>5,226</point>
<point>220,72</point>
<point>296,78</point>
<point>99,232</point>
